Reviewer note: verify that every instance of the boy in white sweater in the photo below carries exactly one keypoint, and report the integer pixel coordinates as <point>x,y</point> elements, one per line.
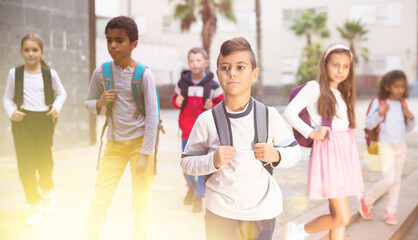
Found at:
<point>242,198</point>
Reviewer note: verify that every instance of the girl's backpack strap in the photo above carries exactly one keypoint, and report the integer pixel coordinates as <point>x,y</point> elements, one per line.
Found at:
<point>49,92</point>
<point>403,103</point>
<point>47,80</point>
<point>18,98</point>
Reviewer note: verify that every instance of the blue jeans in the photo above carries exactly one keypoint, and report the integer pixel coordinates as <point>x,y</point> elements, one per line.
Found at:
<point>197,183</point>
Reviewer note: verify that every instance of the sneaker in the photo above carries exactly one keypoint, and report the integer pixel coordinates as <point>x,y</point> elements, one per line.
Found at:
<point>197,205</point>
<point>188,199</point>
<point>391,219</point>
<point>48,202</point>
<point>35,217</point>
<point>363,209</point>
<point>291,233</point>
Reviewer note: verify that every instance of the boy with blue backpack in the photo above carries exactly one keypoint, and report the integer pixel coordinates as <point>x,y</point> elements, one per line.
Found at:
<point>236,145</point>
<point>132,115</point>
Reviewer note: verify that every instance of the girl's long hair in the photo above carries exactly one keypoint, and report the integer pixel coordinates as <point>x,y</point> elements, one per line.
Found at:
<point>327,101</point>
<point>36,38</point>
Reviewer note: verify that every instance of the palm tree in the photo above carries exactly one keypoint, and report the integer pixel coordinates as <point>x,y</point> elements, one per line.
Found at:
<point>186,13</point>
<point>260,89</point>
<point>354,31</point>
<point>308,24</point>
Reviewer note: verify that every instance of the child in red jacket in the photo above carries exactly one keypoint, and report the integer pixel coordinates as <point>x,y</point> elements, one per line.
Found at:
<point>195,92</point>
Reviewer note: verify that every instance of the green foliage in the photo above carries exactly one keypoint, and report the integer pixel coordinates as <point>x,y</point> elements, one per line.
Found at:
<point>308,67</point>
<point>309,25</point>
<point>186,11</point>
<point>354,32</point>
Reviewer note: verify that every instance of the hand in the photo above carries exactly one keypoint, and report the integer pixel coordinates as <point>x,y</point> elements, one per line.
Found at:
<point>383,109</point>
<point>223,155</point>
<point>53,113</point>
<point>141,163</point>
<point>266,153</point>
<point>17,116</point>
<point>319,134</point>
<point>208,104</point>
<point>179,100</point>
<point>107,97</point>
<point>408,113</point>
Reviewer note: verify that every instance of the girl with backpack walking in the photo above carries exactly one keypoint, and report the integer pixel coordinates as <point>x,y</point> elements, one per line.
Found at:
<point>32,99</point>
<point>390,114</point>
<point>334,166</point>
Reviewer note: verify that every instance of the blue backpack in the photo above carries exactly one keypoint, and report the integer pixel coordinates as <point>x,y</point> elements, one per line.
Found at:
<point>139,99</point>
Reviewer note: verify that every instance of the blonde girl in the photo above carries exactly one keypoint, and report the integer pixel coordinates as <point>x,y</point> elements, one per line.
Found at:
<point>32,99</point>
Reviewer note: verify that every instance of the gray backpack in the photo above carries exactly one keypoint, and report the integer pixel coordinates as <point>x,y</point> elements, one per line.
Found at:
<point>261,123</point>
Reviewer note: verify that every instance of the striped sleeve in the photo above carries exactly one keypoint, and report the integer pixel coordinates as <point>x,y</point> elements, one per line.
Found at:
<point>195,159</point>
<point>283,140</point>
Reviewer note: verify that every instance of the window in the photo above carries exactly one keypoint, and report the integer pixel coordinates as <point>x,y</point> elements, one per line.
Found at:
<point>379,65</point>
<point>385,13</point>
<point>289,69</point>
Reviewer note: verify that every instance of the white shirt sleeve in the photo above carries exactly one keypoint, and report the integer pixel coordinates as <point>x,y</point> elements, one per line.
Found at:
<point>373,118</point>
<point>9,93</point>
<point>308,95</point>
<point>59,91</point>
<point>195,159</point>
<point>283,140</point>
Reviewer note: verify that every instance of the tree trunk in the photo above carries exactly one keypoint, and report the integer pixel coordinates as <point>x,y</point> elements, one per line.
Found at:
<point>209,25</point>
<point>355,58</point>
<point>260,88</point>
<point>309,39</point>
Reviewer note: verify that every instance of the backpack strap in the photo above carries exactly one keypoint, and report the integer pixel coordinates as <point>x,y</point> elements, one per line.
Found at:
<point>47,80</point>
<point>18,98</point>
<point>206,90</point>
<point>137,87</point>
<point>222,123</point>
<point>184,91</point>
<point>223,126</point>
<point>403,103</point>
<point>108,83</point>
<point>49,92</point>
<point>261,123</point>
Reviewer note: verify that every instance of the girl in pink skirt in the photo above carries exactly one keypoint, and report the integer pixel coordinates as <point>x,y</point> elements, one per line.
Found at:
<point>334,166</point>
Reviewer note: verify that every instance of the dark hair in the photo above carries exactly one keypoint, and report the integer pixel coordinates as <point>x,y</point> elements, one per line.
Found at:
<point>327,101</point>
<point>388,79</point>
<point>237,44</point>
<point>124,23</point>
<point>198,50</point>
<point>36,38</point>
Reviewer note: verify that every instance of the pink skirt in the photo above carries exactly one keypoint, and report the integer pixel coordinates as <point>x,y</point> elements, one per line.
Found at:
<point>334,167</point>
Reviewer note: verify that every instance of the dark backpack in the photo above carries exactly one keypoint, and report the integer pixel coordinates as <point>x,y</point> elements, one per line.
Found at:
<point>304,115</point>
<point>138,93</point>
<point>372,136</point>
<point>223,126</point>
<point>46,76</point>
<point>184,91</point>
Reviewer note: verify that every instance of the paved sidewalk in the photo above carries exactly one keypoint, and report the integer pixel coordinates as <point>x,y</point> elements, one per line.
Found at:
<point>75,175</point>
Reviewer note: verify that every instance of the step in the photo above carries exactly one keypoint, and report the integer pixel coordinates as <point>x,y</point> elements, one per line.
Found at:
<point>406,214</point>
<point>374,229</point>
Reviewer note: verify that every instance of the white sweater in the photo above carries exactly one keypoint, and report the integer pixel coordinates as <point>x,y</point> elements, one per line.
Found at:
<point>241,189</point>
<point>393,130</point>
<point>308,97</point>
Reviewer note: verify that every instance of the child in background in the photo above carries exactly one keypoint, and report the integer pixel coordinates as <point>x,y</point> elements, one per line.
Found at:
<point>395,121</point>
<point>131,136</point>
<point>195,92</point>
<point>334,166</point>
<point>242,198</point>
<point>33,97</point>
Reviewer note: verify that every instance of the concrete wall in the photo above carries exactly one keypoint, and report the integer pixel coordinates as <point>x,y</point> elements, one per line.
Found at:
<point>63,25</point>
